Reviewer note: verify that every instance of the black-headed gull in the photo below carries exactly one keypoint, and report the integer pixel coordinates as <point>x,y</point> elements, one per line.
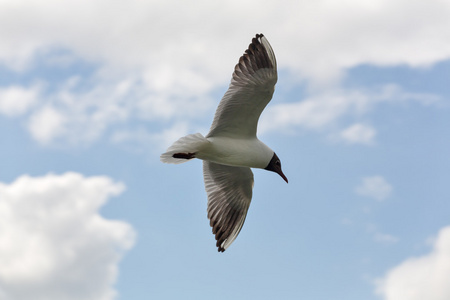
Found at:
<point>231,147</point>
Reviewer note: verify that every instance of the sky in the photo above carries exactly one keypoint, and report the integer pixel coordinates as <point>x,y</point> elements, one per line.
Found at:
<point>92,92</point>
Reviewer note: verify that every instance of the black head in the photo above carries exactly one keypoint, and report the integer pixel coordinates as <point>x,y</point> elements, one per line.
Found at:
<point>275,166</point>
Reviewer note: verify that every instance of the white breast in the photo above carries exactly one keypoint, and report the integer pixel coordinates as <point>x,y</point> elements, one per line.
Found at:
<point>236,152</point>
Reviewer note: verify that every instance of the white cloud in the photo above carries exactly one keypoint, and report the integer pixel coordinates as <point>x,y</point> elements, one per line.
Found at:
<point>140,140</point>
<point>47,124</point>
<point>53,242</point>
<point>359,134</point>
<point>394,94</point>
<point>321,38</point>
<point>16,100</point>
<point>324,110</point>
<point>375,187</point>
<point>418,278</point>
<point>74,114</point>
<point>315,112</point>
<point>147,67</point>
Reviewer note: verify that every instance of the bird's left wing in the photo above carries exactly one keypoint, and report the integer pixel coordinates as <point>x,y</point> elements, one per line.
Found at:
<point>250,90</point>
<point>229,192</point>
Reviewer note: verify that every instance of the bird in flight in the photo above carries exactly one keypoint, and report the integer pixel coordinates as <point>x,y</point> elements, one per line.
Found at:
<point>231,147</point>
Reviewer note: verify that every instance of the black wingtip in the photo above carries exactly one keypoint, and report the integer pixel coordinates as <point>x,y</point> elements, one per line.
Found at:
<point>220,241</point>
<point>259,35</point>
<point>255,42</point>
<point>255,57</point>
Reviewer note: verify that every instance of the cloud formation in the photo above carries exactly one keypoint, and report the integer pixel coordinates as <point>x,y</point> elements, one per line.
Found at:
<point>359,134</point>
<point>17,100</point>
<point>375,187</point>
<point>148,68</point>
<point>131,34</point>
<point>54,244</point>
<point>326,110</point>
<point>418,278</point>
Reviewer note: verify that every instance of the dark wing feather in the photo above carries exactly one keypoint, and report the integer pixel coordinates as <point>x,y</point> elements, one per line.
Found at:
<point>250,90</point>
<point>229,192</point>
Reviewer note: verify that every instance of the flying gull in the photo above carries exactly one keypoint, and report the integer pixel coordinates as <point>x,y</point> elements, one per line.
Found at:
<point>231,147</point>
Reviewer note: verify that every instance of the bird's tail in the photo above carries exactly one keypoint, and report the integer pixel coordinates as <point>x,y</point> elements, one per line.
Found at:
<point>184,149</point>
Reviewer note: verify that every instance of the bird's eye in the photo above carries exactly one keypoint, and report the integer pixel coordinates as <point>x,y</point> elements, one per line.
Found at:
<point>278,163</point>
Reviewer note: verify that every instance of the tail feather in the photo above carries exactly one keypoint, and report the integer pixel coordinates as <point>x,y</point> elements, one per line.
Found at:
<point>184,149</point>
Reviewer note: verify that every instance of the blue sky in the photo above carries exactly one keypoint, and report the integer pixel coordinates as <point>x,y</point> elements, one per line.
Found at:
<point>92,92</point>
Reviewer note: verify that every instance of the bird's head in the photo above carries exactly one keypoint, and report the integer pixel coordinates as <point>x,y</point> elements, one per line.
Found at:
<point>275,166</point>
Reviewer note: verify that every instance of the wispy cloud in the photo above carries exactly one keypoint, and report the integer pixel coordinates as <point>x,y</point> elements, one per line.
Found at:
<point>324,111</point>
<point>380,236</point>
<point>142,140</point>
<point>359,134</point>
<point>47,124</point>
<point>315,112</point>
<point>417,278</point>
<point>375,187</point>
<point>16,100</point>
<point>80,110</point>
<point>166,69</point>
<point>54,241</point>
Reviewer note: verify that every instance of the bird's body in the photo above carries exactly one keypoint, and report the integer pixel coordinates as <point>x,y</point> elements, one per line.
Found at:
<point>231,147</point>
<point>250,153</point>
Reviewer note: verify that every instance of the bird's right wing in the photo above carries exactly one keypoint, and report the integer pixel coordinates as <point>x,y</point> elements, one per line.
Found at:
<point>229,192</point>
<point>250,90</point>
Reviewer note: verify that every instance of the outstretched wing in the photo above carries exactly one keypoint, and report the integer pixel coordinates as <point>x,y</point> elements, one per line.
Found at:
<point>229,192</point>
<point>250,90</point>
